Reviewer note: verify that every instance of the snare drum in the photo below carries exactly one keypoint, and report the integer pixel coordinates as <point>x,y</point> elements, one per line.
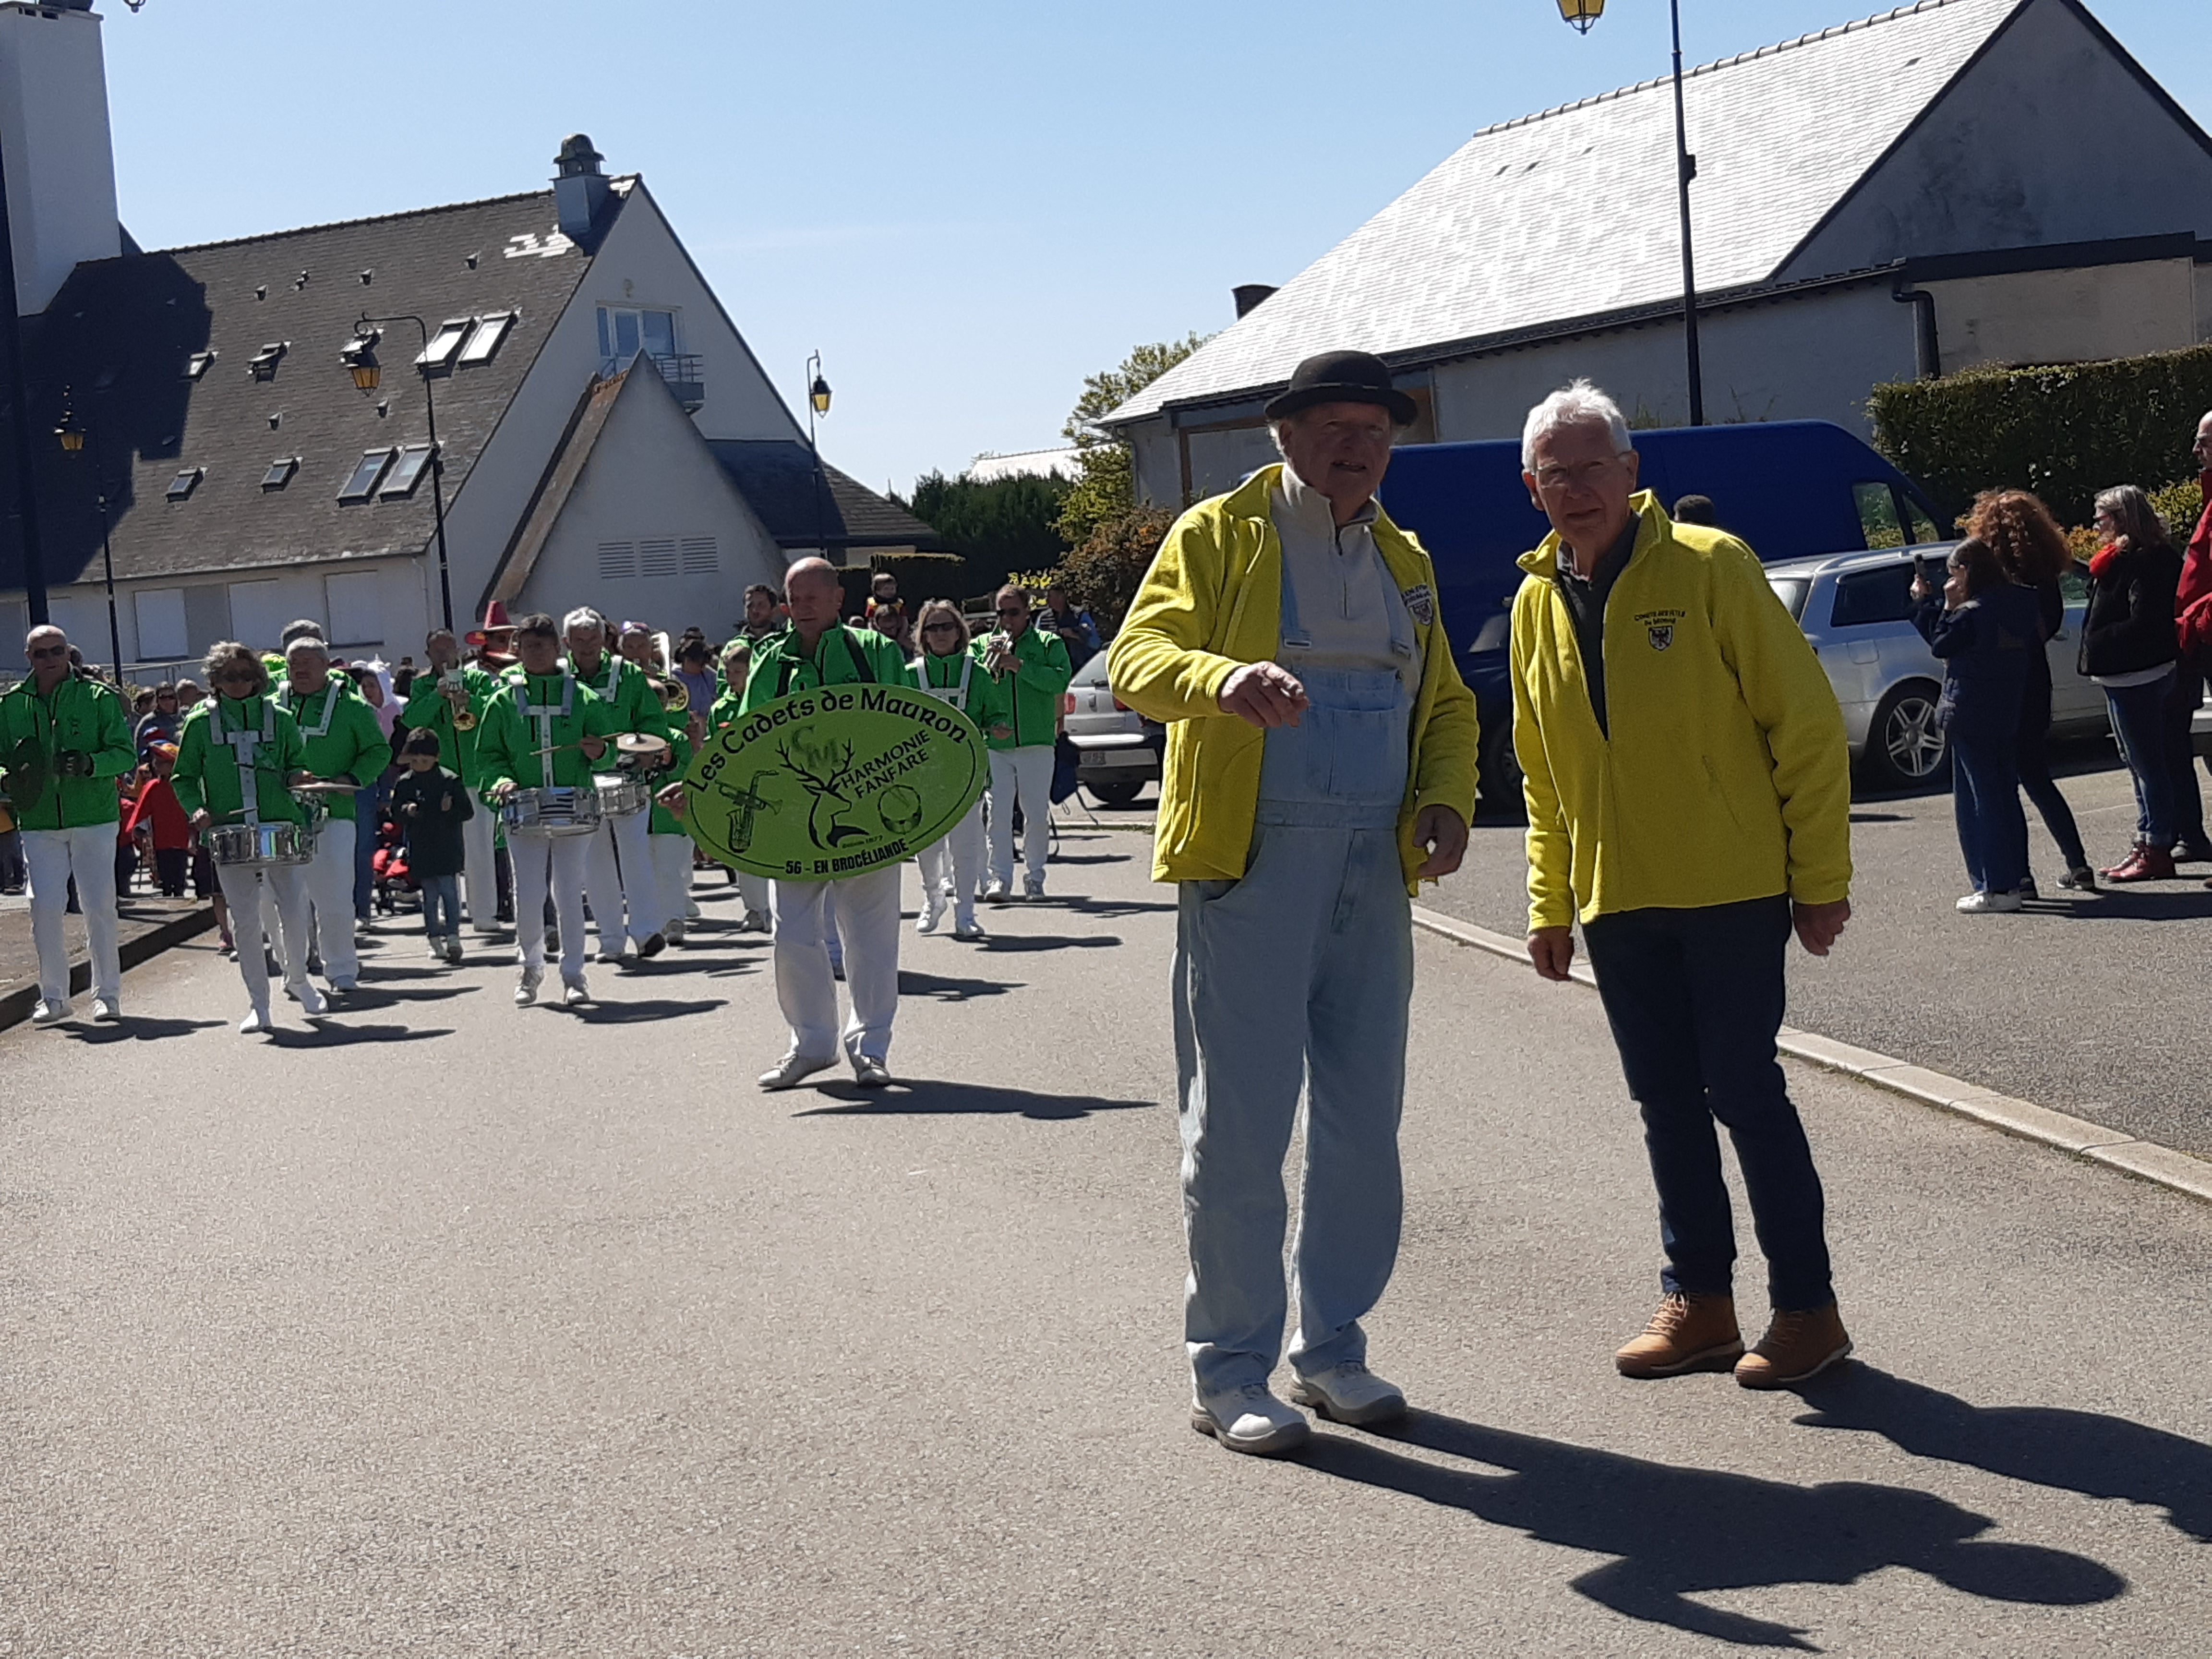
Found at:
<point>258,846</point>
<point>554,811</point>
<point>621,794</point>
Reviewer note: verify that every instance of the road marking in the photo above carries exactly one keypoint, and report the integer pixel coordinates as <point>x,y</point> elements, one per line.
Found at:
<point>2095,1143</point>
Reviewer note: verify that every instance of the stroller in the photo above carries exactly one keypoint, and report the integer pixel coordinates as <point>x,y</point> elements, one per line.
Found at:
<point>388,866</point>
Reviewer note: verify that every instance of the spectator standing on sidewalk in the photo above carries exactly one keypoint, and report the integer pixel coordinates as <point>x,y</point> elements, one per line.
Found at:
<point>2192,627</point>
<point>1689,799</point>
<point>1984,627</point>
<point>2029,544</point>
<point>157,809</point>
<point>2129,648</point>
<point>1029,670</point>
<point>1321,764</point>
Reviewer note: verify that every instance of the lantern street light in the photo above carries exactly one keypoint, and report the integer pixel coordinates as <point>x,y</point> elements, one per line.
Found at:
<point>360,360</point>
<point>72,433</point>
<point>1581,14</point>
<point>817,405</point>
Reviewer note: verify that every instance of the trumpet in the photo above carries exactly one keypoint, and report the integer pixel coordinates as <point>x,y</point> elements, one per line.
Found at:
<point>455,691</point>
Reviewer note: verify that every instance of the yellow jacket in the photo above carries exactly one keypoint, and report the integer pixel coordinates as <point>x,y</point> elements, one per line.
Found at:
<point>1213,602</point>
<point>1725,776</point>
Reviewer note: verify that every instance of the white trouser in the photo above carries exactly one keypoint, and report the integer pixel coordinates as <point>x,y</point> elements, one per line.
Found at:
<point>561,860</point>
<point>867,910</point>
<point>329,898</point>
<point>958,857</point>
<point>1025,774</point>
<point>672,873</point>
<point>50,856</point>
<point>632,881</point>
<point>285,885</point>
<point>753,892</point>
<point>480,868</point>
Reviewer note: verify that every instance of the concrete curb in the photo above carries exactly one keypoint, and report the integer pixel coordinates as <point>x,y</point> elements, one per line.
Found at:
<point>16,1006</point>
<point>2148,1160</point>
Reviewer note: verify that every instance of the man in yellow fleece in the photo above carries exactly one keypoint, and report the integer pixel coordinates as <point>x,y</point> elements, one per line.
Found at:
<point>1321,762</point>
<point>1689,800</point>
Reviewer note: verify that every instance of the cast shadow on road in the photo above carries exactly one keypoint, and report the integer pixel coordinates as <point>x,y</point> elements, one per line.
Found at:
<point>646,1010</point>
<point>321,1032</point>
<point>380,996</point>
<point>937,986</point>
<point>2096,1455</point>
<point>2131,905</point>
<point>1676,1533</point>
<point>1881,817</point>
<point>132,1028</point>
<point>1091,907</point>
<point>998,942</point>
<point>921,1096</point>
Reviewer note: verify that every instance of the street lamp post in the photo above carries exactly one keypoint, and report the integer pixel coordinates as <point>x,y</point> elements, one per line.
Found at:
<point>359,359</point>
<point>72,435</point>
<point>1581,14</point>
<point>818,403</point>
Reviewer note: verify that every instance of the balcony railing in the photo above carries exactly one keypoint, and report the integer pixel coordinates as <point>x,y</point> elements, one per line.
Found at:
<point>684,372</point>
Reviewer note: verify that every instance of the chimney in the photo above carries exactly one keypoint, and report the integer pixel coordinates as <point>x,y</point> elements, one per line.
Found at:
<point>579,188</point>
<point>1249,294</point>
<point>60,155</point>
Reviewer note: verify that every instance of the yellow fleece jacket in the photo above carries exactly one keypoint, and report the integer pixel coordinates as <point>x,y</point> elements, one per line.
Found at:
<point>1211,602</point>
<point>1725,776</point>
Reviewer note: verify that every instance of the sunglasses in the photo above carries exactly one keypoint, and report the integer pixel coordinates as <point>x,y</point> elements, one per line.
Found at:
<point>41,655</point>
<point>940,627</point>
<point>1013,610</point>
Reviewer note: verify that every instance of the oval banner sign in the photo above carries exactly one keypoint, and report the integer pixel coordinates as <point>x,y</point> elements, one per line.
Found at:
<point>834,783</point>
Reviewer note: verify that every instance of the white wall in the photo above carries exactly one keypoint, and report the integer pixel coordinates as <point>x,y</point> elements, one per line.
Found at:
<point>258,603</point>
<point>652,495</point>
<point>2073,316</point>
<point>60,155</point>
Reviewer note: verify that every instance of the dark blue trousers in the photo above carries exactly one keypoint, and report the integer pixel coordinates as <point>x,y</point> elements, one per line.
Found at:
<point>1695,1000</point>
<point>1985,799</point>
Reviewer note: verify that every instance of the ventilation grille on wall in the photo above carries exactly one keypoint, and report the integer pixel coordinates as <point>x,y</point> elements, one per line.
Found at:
<point>660,556</point>
<point>617,561</point>
<point>656,556</point>
<point>701,557</point>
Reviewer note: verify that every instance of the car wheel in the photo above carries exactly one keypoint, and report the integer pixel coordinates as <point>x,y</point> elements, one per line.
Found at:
<point>1121,793</point>
<point>1501,796</point>
<point>1905,748</point>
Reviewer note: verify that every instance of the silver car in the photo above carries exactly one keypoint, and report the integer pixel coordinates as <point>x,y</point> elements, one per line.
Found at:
<point>1856,610</point>
<point>1120,749</point>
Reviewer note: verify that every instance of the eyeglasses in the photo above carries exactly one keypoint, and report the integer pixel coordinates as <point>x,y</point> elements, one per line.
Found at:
<point>42,652</point>
<point>1553,479</point>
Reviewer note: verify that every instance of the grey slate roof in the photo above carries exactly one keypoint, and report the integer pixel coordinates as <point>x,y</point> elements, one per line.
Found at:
<point>118,336</point>
<point>1571,213</point>
<point>804,507</point>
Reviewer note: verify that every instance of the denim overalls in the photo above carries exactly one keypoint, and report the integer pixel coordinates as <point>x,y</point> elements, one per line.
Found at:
<point>1300,974</point>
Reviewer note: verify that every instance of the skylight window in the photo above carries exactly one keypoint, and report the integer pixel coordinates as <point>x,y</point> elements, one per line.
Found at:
<point>490,331</point>
<point>280,472</point>
<point>263,364</point>
<point>409,473</point>
<point>198,364</point>
<point>439,353</point>
<point>185,483</point>
<point>362,484</point>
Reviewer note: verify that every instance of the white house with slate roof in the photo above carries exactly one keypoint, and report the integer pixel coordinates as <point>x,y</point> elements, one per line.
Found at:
<point>1954,182</point>
<point>608,437</point>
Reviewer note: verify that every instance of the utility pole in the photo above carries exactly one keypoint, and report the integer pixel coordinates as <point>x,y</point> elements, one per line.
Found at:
<point>12,387</point>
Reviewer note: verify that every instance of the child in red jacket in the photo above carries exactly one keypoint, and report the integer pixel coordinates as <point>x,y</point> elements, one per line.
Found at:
<point>158,809</point>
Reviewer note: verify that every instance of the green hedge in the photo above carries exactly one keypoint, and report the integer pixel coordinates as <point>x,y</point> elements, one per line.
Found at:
<point>2065,433</point>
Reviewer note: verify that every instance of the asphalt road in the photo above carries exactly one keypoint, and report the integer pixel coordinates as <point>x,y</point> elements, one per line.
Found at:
<point>2091,1006</point>
<point>445,1327</point>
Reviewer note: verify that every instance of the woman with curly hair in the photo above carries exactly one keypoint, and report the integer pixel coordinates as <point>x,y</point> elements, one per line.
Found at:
<point>2032,550</point>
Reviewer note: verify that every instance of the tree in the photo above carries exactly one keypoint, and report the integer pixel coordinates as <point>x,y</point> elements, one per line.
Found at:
<point>1108,487</point>
<point>1002,525</point>
<point>1104,573</point>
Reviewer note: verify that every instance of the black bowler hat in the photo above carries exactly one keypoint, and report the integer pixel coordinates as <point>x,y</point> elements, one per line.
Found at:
<point>1343,377</point>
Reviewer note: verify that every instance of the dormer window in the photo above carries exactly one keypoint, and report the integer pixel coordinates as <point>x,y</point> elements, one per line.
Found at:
<point>490,331</point>
<point>198,364</point>
<point>181,487</point>
<point>439,353</point>
<point>280,472</point>
<point>413,460</point>
<point>366,474</point>
<point>263,365</point>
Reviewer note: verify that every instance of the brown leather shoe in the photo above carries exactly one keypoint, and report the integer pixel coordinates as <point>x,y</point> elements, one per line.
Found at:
<point>1688,1333</point>
<point>1799,1344</point>
<point>2144,864</point>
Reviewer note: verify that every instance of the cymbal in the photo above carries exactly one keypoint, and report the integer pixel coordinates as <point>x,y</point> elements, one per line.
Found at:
<point>640,742</point>
<point>325,788</point>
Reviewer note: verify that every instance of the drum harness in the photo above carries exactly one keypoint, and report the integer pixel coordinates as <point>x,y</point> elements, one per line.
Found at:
<point>791,665</point>
<point>243,744</point>
<point>545,714</point>
<point>954,695</point>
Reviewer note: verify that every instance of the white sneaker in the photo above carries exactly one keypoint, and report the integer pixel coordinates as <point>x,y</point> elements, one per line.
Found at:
<point>931,912</point>
<point>968,931</point>
<point>257,1020</point>
<point>870,1072</point>
<point>996,893</point>
<point>50,1013</point>
<point>791,1071</point>
<point>105,1012</point>
<point>756,921</point>
<point>525,988</point>
<point>575,993</point>
<point>1250,1419</point>
<point>305,993</point>
<point>1350,1393</point>
<point>1983,904</point>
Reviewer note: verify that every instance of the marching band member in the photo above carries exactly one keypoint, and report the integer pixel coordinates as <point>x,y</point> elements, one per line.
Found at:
<point>66,738</point>
<point>671,845</point>
<point>543,721</point>
<point>1031,670</point>
<point>343,743</point>
<point>450,701</point>
<point>266,750</point>
<point>950,673</point>
<point>737,664</point>
<point>818,649</point>
<point>628,883</point>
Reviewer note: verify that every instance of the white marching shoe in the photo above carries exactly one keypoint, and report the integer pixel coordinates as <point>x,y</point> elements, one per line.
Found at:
<point>792,1070</point>
<point>525,988</point>
<point>1350,1393</point>
<point>1250,1419</point>
<point>256,1020</point>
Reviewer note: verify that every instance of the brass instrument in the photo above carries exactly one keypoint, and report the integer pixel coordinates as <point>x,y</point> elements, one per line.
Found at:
<point>455,691</point>
<point>674,696</point>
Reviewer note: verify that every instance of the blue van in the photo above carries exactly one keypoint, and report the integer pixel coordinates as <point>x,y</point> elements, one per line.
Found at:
<point>1791,488</point>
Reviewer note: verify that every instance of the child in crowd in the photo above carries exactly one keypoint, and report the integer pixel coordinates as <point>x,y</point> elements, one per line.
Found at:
<point>157,811</point>
<point>431,805</point>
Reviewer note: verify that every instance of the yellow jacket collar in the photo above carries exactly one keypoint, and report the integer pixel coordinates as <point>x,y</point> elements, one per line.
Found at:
<point>1652,524</point>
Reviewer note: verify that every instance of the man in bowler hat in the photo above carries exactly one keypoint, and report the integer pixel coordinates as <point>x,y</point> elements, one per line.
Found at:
<point>1321,764</point>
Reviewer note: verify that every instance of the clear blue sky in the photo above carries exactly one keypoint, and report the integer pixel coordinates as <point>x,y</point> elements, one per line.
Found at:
<point>965,207</point>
